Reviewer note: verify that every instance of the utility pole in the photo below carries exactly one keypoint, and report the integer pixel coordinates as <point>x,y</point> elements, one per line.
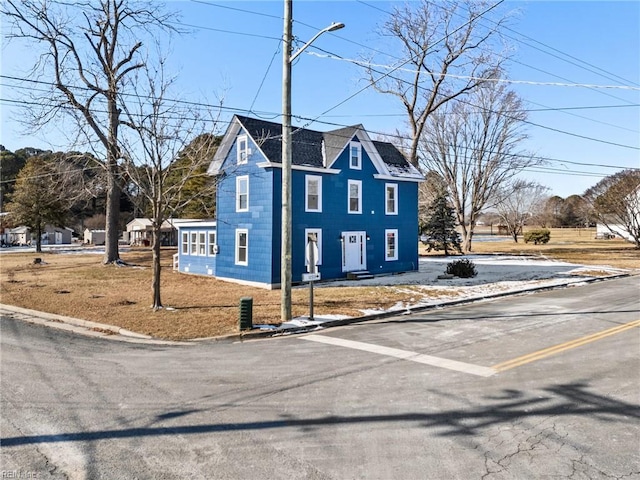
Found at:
<point>285,257</point>
<point>287,59</point>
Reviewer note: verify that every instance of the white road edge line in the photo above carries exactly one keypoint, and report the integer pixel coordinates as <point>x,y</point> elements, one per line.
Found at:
<point>405,355</point>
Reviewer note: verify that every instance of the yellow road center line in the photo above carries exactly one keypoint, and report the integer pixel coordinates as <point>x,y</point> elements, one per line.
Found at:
<point>546,352</point>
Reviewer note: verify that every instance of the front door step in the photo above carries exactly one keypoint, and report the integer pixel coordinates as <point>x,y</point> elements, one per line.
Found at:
<point>359,275</point>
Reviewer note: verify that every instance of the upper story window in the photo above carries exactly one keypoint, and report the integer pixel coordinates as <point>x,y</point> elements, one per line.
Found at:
<point>355,156</point>
<point>313,193</point>
<point>242,194</point>
<point>243,150</point>
<point>391,199</point>
<point>355,196</point>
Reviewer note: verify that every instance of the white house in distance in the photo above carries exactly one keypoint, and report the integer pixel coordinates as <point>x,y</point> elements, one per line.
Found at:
<point>140,231</point>
<point>51,235</point>
<point>625,226</point>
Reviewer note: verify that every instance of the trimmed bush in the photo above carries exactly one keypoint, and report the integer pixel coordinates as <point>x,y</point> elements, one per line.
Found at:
<point>539,236</point>
<point>462,268</point>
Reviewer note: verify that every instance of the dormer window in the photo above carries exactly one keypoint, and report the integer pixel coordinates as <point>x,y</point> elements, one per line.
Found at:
<point>355,156</point>
<point>243,150</point>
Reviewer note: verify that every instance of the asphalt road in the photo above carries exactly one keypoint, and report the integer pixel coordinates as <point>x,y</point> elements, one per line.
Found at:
<point>536,386</point>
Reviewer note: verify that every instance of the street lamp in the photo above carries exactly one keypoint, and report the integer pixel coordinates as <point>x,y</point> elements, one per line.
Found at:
<point>287,59</point>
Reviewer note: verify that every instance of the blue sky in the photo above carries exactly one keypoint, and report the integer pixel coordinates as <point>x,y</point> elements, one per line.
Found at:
<point>233,52</point>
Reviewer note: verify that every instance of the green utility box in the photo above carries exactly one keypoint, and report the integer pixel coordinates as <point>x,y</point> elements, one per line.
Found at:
<point>246,313</point>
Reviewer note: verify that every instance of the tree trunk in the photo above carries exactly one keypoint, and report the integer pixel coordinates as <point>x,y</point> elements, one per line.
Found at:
<point>39,238</point>
<point>157,302</point>
<point>112,214</point>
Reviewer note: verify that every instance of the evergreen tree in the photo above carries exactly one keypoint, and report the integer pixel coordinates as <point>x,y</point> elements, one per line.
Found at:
<point>439,229</point>
<point>37,199</point>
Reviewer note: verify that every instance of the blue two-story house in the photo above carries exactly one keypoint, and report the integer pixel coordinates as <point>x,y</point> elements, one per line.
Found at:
<point>357,198</point>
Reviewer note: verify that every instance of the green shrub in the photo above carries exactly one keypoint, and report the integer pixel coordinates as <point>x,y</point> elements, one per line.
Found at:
<point>462,268</point>
<point>539,236</point>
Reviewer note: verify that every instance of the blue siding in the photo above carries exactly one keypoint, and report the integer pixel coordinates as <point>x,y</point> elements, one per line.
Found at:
<point>257,221</point>
<point>198,263</point>
<point>262,221</point>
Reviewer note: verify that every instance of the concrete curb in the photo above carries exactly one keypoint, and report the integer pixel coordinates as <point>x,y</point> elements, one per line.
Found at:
<point>118,333</point>
<point>260,334</point>
<point>83,326</point>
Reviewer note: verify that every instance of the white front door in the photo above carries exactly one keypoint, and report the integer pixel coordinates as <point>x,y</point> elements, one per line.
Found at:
<point>354,251</point>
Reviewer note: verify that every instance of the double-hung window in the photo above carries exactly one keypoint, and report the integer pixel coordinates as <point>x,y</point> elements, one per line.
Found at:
<point>242,246</point>
<point>202,243</point>
<point>391,199</point>
<point>313,193</point>
<point>391,245</point>
<point>355,196</point>
<point>242,194</point>
<point>355,156</point>
<point>242,148</point>
<point>193,248</point>
<point>185,243</point>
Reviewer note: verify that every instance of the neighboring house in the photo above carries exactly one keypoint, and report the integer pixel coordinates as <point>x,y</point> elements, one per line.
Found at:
<point>57,235</point>
<point>94,237</point>
<point>140,231</point>
<point>50,236</point>
<point>610,226</point>
<point>19,236</point>
<point>356,196</point>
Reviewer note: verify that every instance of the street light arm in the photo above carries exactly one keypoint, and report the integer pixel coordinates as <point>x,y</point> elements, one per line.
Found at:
<point>331,28</point>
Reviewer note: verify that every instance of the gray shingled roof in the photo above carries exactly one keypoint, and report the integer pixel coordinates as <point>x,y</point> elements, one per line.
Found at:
<point>307,144</point>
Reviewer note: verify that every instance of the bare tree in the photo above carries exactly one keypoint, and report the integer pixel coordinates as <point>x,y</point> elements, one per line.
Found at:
<point>159,161</point>
<point>90,51</point>
<point>446,50</point>
<point>518,202</point>
<point>616,203</point>
<point>475,147</point>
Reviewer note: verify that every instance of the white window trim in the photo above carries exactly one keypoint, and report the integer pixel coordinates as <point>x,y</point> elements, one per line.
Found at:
<point>185,243</point>
<point>238,180</point>
<point>242,159</point>
<point>240,231</point>
<point>308,179</point>
<point>394,186</point>
<point>211,252</point>
<point>386,246</point>
<point>202,244</point>
<point>359,184</point>
<point>193,243</point>
<point>318,232</point>
<point>357,145</point>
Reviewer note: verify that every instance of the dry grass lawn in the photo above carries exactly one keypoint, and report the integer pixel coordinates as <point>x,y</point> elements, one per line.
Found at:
<point>80,286</point>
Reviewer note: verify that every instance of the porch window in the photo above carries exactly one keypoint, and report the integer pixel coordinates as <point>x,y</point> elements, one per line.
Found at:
<point>313,193</point>
<point>242,194</point>
<point>185,243</point>
<point>355,196</point>
<point>391,245</point>
<point>202,243</point>
<point>242,247</point>
<point>193,250</point>
<point>391,200</point>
